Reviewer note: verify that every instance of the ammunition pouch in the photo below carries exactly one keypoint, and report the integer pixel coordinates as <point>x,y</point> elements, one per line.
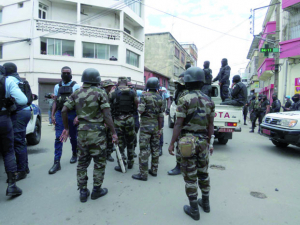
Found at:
<point>187,146</point>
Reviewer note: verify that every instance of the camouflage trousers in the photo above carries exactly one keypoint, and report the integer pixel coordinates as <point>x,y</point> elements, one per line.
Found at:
<point>91,144</point>
<point>178,156</point>
<point>196,169</point>
<point>148,136</point>
<point>110,145</point>
<point>126,134</point>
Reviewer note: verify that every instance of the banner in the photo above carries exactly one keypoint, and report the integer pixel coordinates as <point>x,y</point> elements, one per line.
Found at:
<point>297,85</point>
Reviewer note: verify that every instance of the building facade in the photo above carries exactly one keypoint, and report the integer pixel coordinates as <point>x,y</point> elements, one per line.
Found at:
<point>163,80</point>
<point>42,36</point>
<point>192,49</point>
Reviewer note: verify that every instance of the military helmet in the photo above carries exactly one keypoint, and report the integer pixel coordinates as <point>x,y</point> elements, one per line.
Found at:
<point>236,79</point>
<point>91,76</point>
<point>122,79</point>
<point>152,83</point>
<point>180,79</point>
<point>107,83</point>
<point>194,74</point>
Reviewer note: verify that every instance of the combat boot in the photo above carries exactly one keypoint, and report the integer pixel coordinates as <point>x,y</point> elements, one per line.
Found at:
<point>251,131</point>
<point>98,192</point>
<point>175,171</point>
<point>110,158</point>
<point>160,151</point>
<point>84,194</point>
<point>151,173</point>
<point>139,177</point>
<point>73,159</point>
<point>192,210</point>
<point>118,168</point>
<point>27,170</point>
<point>21,175</point>
<point>12,188</point>
<point>245,123</point>
<point>56,167</point>
<point>204,203</point>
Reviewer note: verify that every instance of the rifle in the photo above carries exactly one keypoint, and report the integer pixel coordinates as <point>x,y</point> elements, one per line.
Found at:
<point>120,160</point>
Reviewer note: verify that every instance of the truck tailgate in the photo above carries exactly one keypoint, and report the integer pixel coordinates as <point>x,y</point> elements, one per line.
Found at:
<point>228,114</point>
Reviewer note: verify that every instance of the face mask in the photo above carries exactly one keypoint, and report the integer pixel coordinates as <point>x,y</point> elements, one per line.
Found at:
<point>274,98</point>
<point>66,77</point>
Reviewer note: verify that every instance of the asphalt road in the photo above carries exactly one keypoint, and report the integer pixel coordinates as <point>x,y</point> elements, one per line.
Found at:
<point>252,164</point>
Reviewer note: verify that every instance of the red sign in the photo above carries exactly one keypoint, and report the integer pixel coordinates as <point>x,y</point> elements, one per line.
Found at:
<point>297,81</point>
<point>267,132</point>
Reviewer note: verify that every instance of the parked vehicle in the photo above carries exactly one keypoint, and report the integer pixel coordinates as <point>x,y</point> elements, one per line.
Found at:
<point>227,118</point>
<point>34,127</point>
<point>282,128</point>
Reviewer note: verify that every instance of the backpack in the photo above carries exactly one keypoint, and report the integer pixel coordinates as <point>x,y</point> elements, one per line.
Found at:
<point>2,91</point>
<point>63,93</point>
<point>25,88</point>
<point>124,102</point>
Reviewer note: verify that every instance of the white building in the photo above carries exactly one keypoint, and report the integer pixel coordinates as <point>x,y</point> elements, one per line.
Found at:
<point>42,36</point>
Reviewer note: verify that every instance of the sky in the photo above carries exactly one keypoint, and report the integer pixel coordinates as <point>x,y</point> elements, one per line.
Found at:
<point>230,16</point>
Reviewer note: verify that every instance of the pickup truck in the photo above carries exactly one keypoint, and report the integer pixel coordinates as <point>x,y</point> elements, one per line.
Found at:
<point>227,118</point>
<point>34,126</point>
<point>282,128</point>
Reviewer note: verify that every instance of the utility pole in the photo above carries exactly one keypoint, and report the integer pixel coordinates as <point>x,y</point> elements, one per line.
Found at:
<point>277,38</point>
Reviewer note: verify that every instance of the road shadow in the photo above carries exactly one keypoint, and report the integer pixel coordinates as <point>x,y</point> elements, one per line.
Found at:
<point>290,151</point>
<point>32,151</point>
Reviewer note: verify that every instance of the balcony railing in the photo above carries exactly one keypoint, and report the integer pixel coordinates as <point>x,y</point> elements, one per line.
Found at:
<point>265,70</point>
<point>132,42</point>
<point>56,27</point>
<point>269,30</point>
<point>290,48</point>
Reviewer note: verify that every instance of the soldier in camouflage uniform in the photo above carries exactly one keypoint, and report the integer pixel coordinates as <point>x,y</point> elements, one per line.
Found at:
<point>194,127</point>
<point>93,111</point>
<point>107,86</point>
<point>123,102</point>
<point>180,92</point>
<point>152,116</point>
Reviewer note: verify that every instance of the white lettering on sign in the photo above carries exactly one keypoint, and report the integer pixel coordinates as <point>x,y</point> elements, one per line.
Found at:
<point>222,114</point>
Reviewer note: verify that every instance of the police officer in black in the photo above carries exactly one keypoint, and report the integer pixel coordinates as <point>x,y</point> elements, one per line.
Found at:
<point>261,109</point>
<point>296,105</point>
<point>8,90</point>
<point>207,89</point>
<point>238,94</point>
<point>276,104</point>
<point>223,78</point>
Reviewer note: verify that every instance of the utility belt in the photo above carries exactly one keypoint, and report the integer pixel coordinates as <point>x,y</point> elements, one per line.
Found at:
<point>123,114</point>
<point>202,135</point>
<point>187,143</point>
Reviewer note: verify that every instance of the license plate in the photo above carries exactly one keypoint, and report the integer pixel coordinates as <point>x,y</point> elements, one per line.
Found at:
<point>226,130</point>
<point>267,132</point>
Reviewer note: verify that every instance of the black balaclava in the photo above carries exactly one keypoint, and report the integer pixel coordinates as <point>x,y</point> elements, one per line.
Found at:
<point>260,97</point>
<point>295,98</point>
<point>2,71</point>
<point>10,68</point>
<point>66,74</point>
<point>188,65</point>
<point>206,65</point>
<point>274,97</point>
<point>224,62</point>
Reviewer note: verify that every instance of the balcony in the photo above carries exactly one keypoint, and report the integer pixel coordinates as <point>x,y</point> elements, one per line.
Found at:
<point>290,5</point>
<point>290,48</point>
<point>265,70</point>
<point>270,29</point>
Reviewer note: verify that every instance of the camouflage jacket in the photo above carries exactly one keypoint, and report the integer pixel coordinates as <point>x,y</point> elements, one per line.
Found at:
<point>197,110</point>
<point>151,106</point>
<point>89,101</point>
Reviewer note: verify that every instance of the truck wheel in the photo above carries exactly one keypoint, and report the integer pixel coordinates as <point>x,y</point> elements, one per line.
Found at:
<point>35,137</point>
<point>222,141</point>
<point>280,144</point>
<point>171,125</point>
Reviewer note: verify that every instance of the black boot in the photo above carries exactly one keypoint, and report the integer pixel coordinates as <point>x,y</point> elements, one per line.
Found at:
<point>27,170</point>
<point>152,174</point>
<point>130,165</point>
<point>192,210</point>
<point>110,158</point>
<point>73,159</point>
<point>118,168</point>
<point>21,175</point>
<point>12,189</point>
<point>251,131</point>
<point>204,203</point>
<point>245,123</point>
<point>56,167</point>
<point>139,177</point>
<point>84,194</point>
<point>98,192</point>
<point>175,171</point>
<point>160,151</point>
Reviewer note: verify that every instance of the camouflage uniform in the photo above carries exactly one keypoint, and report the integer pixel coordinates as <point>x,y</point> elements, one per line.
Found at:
<point>89,101</point>
<point>125,128</point>
<point>196,125</point>
<point>151,106</point>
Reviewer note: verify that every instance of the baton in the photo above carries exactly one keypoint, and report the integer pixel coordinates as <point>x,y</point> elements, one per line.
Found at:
<point>212,139</point>
<point>120,160</point>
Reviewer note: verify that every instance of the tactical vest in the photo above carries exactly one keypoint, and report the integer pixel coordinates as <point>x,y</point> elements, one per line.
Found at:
<point>263,106</point>
<point>123,103</point>
<point>63,93</point>
<point>208,76</point>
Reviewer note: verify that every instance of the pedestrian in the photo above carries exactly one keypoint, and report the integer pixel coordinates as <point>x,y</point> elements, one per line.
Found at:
<point>238,93</point>
<point>124,102</point>
<point>245,112</point>
<point>207,89</point>
<point>261,108</point>
<point>296,105</point>
<point>92,108</point>
<point>8,90</point>
<point>50,103</point>
<point>20,118</point>
<point>223,78</point>
<point>251,109</point>
<point>62,91</point>
<point>276,104</point>
<point>180,92</point>
<point>288,103</point>
<point>151,110</point>
<point>194,127</point>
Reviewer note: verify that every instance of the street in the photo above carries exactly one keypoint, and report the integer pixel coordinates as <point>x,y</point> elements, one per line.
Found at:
<point>252,164</point>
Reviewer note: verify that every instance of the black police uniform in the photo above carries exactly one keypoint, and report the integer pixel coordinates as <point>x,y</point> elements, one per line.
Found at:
<point>223,77</point>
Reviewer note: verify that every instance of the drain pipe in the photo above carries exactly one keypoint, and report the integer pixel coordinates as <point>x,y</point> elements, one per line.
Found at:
<point>286,73</point>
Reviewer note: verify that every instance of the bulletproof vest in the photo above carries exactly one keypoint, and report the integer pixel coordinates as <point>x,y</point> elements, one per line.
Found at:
<point>208,76</point>
<point>242,96</point>
<point>123,102</point>
<point>25,88</point>
<point>2,92</point>
<point>263,105</point>
<point>63,93</point>
<point>256,104</point>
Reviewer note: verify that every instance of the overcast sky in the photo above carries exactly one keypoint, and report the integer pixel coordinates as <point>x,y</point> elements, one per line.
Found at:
<point>220,15</point>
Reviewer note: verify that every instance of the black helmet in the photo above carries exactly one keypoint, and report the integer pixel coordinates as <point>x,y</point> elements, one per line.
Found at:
<point>188,65</point>
<point>236,79</point>
<point>152,83</point>
<point>2,70</point>
<point>194,74</point>
<point>91,76</point>
<point>10,68</point>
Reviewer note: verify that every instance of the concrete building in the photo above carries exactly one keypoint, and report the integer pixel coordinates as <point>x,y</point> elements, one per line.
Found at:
<point>192,49</point>
<point>163,80</point>
<point>164,54</point>
<point>42,36</point>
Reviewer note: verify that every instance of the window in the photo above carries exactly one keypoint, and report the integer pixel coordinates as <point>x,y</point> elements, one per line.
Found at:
<point>132,58</point>
<point>177,53</point>
<point>0,16</point>
<point>182,58</point>
<point>176,71</point>
<point>135,6</point>
<point>51,46</point>
<point>127,31</point>
<point>244,80</point>
<point>164,83</point>
<point>99,51</point>
<point>1,49</point>
<point>20,5</point>
<point>43,9</point>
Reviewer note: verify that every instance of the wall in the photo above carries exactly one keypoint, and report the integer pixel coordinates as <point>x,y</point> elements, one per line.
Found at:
<point>148,74</point>
<point>12,13</point>
<point>64,12</point>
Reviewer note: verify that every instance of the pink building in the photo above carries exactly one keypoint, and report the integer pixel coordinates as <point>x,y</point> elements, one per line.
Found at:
<point>163,80</point>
